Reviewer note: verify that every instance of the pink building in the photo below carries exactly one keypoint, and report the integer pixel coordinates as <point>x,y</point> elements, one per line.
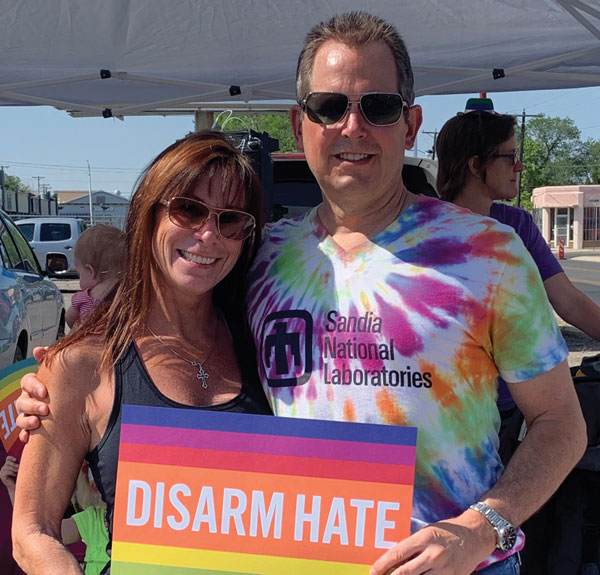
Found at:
<point>569,212</point>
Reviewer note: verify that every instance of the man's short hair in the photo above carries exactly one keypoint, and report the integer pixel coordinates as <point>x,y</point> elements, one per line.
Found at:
<point>477,133</point>
<point>355,29</point>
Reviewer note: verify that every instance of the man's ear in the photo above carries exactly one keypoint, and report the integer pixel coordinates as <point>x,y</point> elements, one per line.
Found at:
<point>296,120</point>
<point>414,119</point>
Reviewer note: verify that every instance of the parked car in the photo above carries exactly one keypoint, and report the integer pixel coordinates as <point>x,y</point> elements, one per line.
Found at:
<point>32,311</point>
<point>53,240</point>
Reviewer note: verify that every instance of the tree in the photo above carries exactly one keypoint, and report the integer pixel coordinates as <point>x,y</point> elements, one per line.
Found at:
<point>276,125</point>
<point>553,155</point>
<point>594,159</point>
<point>15,184</point>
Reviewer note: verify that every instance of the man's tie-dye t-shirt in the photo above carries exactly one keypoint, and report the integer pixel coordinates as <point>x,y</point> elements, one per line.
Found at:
<point>410,328</point>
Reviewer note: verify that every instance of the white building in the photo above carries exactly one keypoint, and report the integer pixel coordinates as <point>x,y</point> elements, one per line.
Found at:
<point>107,208</point>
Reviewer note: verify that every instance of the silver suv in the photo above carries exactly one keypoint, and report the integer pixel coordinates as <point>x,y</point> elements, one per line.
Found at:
<point>53,240</point>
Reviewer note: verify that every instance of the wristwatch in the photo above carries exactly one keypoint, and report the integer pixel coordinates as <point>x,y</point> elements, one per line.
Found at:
<point>506,534</point>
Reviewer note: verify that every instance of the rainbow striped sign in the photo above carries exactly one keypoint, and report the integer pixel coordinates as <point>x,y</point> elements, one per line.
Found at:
<point>212,492</point>
<point>10,389</point>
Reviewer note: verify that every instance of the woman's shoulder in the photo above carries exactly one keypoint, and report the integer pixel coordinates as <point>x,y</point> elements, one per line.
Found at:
<point>79,361</point>
<point>508,214</point>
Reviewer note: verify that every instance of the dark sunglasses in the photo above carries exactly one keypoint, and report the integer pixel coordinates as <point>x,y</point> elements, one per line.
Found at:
<point>377,108</point>
<point>512,156</point>
<point>192,215</point>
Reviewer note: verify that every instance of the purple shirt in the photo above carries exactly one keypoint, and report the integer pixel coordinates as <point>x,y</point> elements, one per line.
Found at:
<point>536,245</point>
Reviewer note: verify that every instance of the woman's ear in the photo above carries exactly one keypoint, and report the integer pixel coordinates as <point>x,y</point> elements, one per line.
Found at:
<point>475,167</point>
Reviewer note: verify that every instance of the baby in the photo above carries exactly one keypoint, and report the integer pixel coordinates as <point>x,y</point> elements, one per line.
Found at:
<point>100,255</point>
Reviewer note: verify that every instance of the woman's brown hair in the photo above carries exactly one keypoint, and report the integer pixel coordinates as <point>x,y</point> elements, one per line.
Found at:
<point>477,133</point>
<point>175,172</point>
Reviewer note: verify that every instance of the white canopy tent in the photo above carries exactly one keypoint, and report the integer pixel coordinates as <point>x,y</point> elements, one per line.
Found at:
<point>127,57</point>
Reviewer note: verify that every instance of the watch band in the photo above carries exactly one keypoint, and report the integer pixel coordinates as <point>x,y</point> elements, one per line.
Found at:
<point>506,534</point>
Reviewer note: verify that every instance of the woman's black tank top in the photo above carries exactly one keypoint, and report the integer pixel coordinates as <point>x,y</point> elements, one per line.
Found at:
<point>134,386</point>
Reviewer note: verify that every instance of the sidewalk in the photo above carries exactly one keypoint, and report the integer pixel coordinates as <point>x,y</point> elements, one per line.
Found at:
<point>588,254</point>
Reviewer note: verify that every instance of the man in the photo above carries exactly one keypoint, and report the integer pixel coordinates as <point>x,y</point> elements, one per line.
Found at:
<point>381,307</point>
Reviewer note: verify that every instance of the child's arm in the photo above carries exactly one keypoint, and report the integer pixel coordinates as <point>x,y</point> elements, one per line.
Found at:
<point>8,476</point>
<point>69,531</point>
<point>71,316</point>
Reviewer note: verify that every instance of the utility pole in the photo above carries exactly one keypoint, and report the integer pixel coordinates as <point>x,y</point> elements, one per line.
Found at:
<point>434,134</point>
<point>523,116</point>
<point>90,193</point>
<point>3,185</point>
<point>38,178</point>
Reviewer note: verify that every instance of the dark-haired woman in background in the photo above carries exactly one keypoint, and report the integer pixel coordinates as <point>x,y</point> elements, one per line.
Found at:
<point>478,164</point>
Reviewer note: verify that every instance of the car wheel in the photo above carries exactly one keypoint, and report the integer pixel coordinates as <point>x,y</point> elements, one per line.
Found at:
<point>18,355</point>
<point>61,327</point>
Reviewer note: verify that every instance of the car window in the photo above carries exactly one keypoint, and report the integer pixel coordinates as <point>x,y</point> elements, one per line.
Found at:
<point>55,232</point>
<point>29,262</point>
<point>27,230</point>
<point>3,251</point>
<point>10,253</point>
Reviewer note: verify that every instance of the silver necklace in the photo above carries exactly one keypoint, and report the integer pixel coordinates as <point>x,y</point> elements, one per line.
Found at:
<point>202,375</point>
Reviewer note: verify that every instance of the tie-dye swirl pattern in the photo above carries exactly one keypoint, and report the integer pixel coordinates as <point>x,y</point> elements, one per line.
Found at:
<point>411,328</point>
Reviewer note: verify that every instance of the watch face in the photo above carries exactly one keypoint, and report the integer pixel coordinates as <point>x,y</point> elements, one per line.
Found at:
<point>507,538</point>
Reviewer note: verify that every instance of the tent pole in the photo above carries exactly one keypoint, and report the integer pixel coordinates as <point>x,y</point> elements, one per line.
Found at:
<point>203,120</point>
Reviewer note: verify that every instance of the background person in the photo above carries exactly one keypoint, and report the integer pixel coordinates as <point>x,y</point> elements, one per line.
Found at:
<point>173,336</point>
<point>100,254</point>
<point>478,164</point>
<point>88,525</point>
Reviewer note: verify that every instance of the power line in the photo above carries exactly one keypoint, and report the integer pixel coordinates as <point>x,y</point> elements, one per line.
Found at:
<point>552,99</point>
<point>555,165</point>
<point>67,167</point>
<point>38,178</point>
<point>434,134</point>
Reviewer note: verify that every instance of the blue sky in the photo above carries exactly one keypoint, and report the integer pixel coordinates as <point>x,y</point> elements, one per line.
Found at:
<point>42,141</point>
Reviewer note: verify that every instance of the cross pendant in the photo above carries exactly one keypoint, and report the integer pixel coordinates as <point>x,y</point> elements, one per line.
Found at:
<point>203,375</point>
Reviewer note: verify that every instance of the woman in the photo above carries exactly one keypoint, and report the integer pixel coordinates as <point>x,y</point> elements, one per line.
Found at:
<point>478,163</point>
<point>175,335</point>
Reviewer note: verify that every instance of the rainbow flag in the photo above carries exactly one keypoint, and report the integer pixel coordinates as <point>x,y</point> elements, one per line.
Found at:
<point>212,492</point>
<point>10,389</point>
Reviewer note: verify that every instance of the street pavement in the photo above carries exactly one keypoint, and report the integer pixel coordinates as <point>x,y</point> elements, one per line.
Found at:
<point>583,269</point>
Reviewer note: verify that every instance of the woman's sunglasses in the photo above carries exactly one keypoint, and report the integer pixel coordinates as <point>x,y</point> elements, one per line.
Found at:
<point>377,108</point>
<point>192,214</point>
<point>512,157</point>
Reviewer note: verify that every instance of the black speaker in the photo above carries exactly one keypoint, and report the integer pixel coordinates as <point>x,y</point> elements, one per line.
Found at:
<point>259,147</point>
